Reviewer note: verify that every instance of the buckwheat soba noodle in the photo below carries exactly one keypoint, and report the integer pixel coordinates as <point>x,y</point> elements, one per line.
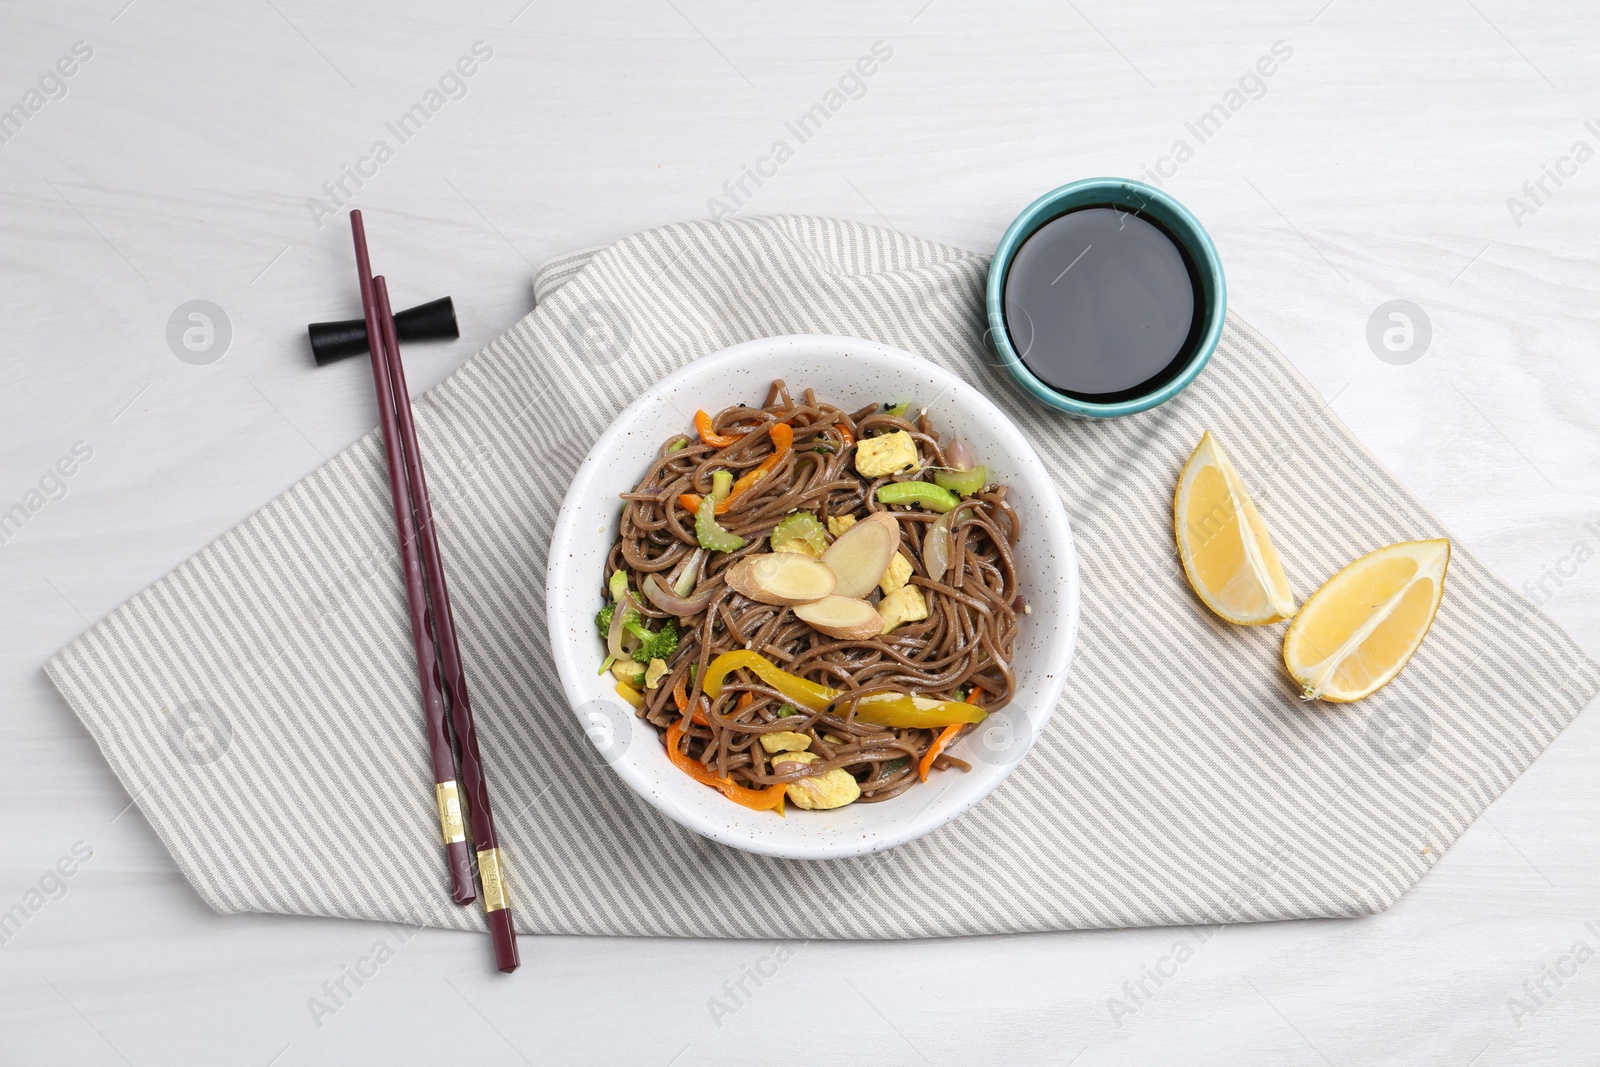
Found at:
<point>812,605</point>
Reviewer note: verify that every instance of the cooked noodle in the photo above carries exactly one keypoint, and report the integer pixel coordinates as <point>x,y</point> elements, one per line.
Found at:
<point>961,651</point>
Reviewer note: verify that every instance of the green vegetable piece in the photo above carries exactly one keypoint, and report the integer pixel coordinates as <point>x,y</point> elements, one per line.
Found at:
<point>618,585</point>
<point>666,642</point>
<point>786,710</point>
<point>897,410</point>
<point>712,537</point>
<point>606,666</point>
<point>962,483</point>
<point>926,494</point>
<point>800,532</point>
<point>603,620</point>
<point>678,446</point>
<point>892,768</point>
<point>721,484</point>
<point>658,645</point>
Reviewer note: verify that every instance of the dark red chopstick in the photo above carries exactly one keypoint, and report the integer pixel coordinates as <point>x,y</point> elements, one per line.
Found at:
<point>491,865</point>
<point>458,854</point>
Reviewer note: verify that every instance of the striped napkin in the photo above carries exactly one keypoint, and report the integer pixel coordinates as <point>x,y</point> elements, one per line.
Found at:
<point>259,702</point>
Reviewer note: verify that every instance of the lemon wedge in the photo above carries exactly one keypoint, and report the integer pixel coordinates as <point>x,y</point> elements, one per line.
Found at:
<point>1226,553</point>
<point>1355,633</point>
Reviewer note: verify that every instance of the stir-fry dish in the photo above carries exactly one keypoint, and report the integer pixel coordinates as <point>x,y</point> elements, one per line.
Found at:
<point>811,605</point>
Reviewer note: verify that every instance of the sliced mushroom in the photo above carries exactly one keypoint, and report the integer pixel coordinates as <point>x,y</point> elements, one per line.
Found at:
<point>784,578</point>
<point>862,553</point>
<point>846,618</point>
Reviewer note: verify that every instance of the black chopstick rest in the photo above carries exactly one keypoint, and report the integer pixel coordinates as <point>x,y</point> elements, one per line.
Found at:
<point>433,321</point>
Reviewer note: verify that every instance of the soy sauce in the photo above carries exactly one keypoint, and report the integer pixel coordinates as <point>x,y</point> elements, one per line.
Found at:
<point>1103,305</point>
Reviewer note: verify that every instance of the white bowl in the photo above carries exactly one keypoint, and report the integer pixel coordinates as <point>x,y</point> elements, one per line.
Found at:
<point>850,374</point>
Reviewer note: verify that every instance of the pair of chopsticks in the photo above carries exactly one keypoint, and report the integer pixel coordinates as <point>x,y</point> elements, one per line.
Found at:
<point>433,630</point>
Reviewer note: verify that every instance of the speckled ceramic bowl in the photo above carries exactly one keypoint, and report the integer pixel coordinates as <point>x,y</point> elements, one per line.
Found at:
<point>851,374</point>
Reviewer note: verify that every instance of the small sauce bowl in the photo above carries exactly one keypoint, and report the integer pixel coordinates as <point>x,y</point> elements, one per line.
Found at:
<point>1137,199</point>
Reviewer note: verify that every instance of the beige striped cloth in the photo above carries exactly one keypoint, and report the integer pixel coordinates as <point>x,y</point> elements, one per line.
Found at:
<point>260,703</point>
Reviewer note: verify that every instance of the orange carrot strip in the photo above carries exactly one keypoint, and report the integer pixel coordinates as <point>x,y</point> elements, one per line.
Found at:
<point>770,799</point>
<point>702,423</point>
<point>845,434</point>
<point>945,737</point>
<point>680,698</point>
<point>782,441</point>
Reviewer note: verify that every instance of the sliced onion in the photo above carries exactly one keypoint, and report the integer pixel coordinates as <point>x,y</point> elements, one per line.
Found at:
<point>958,457</point>
<point>614,635</point>
<point>689,573</point>
<point>936,547</point>
<point>658,594</point>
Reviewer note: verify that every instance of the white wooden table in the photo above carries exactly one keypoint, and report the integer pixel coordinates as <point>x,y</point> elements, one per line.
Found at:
<point>181,160</point>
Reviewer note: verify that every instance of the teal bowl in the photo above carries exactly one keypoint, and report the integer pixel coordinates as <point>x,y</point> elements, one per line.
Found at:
<point>1137,199</point>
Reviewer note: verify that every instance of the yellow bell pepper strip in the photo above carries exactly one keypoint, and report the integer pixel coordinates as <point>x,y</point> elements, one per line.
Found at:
<point>948,734</point>
<point>630,694</point>
<point>903,711</point>
<point>894,710</point>
<point>770,799</point>
<point>797,690</point>
<point>702,424</point>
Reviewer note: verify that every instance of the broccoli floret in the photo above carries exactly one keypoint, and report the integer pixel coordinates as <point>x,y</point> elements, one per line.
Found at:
<point>607,613</point>
<point>658,645</point>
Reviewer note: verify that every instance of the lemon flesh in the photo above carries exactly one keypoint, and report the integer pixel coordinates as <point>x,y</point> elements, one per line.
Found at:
<point>1226,552</point>
<point>1355,634</point>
